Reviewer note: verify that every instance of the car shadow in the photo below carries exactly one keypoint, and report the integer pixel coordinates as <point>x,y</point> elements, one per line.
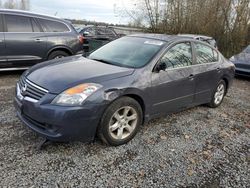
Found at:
<point>11,73</point>
<point>242,78</point>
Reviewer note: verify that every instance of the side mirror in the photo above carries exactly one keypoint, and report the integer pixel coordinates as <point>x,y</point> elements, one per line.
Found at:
<point>161,66</point>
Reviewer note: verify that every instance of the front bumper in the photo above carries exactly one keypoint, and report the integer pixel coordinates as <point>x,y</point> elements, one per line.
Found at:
<point>59,123</point>
<point>242,72</point>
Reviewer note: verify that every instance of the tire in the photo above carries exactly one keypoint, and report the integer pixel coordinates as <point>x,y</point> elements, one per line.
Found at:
<point>57,54</point>
<point>120,121</point>
<point>218,94</point>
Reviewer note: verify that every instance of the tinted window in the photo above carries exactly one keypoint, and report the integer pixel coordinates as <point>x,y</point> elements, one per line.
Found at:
<point>53,26</point>
<point>205,54</point>
<point>178,56</point>
<point>18,23</point>
<point>128,51</point>
<point>1,23</point>
<point>36,27</point>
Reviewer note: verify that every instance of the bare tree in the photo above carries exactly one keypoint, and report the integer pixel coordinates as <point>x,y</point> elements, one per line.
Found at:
<point>226,20</point>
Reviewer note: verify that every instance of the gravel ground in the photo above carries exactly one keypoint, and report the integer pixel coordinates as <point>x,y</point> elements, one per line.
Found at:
<point>199,147</point>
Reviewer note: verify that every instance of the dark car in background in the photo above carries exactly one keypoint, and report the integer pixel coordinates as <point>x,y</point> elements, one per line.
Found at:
<point>119,86</point>
<point>207,39</point>
<point>242,62</point>
<point>97,36</point>
<point>27,38</point>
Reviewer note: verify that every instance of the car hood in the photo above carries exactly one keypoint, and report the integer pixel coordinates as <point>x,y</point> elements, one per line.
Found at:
<point>242,58</point>
<point>61,74</point>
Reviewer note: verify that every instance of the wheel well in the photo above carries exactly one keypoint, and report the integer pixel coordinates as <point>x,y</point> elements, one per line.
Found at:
<point>140,101</point>
<point>60,49</point>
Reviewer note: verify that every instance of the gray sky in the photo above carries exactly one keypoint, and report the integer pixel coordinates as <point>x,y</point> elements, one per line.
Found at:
<point>94,10</point>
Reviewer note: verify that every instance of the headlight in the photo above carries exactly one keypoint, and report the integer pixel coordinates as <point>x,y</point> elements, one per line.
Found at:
<point>232,58</point>
<point>76,95</point>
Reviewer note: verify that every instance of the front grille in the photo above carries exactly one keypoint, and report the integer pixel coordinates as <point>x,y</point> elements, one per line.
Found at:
<point>29,89</point>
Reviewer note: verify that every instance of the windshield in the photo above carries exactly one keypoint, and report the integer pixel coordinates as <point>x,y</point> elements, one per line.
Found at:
<point>128,52</point>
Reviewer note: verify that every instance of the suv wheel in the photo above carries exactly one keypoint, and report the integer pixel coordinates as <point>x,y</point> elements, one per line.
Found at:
<point>120,121</point>
<point>57,55</point>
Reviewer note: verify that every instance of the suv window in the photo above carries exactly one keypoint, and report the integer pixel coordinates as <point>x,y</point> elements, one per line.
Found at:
<point>53,26</point>
<point>205,54</point>
<point>35,26</point>
<point>1,23</point>
<point>179,55</point>
<point>18,23</point>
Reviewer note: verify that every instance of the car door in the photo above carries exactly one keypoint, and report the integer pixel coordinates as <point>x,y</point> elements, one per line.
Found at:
<point>173,88</point>
<point>3,60</point>
<point>25,42</point>
<point>207,72</point>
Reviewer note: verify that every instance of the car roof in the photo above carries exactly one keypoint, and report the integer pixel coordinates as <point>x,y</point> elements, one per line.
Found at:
<point>27,13</point>
<point>162,37</point>
<point>195,36</point>
<point>155,36</point>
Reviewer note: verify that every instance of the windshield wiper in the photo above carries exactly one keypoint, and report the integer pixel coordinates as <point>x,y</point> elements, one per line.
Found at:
<point>111,63</point>
<point>103,61</point>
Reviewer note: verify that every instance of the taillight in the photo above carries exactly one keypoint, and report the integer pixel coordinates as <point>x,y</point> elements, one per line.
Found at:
<point>81,39</point>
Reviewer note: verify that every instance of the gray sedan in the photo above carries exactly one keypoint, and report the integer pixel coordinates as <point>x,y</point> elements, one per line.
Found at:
<point>242,62</point>
<point>120,86</point>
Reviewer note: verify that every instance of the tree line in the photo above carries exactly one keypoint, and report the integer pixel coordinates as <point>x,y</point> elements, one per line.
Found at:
<point>228,21</point>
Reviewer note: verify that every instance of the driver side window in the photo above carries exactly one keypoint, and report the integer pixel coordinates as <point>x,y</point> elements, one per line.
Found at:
<point>179,55</point>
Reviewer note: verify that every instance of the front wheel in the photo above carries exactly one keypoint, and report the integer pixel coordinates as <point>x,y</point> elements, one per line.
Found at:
<point>218,94</point>
<point>57,54</point>
<point>120,121</point>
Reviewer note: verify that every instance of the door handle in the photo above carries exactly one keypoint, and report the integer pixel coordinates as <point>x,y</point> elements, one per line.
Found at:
<point>38,40</point>
<point>218,69</point>
<point>191,76</point>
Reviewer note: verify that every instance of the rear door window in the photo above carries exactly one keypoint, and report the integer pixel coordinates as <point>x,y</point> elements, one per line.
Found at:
<point>53,26</point>
<point>36,27</point>
<point>205,54</point>
<point>18,24</point>
<point>1,23</point>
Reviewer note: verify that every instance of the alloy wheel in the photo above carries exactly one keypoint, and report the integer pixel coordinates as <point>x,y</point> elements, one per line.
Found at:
<point>123,123</point>
<point>219,94</point>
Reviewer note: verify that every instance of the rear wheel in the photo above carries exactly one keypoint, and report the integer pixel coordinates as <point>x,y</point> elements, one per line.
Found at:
<point>218,95</point>
<point>57,54</point>
<point>120,122</point>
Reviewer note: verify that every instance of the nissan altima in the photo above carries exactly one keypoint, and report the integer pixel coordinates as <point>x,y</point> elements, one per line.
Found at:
<point>122,85</point>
